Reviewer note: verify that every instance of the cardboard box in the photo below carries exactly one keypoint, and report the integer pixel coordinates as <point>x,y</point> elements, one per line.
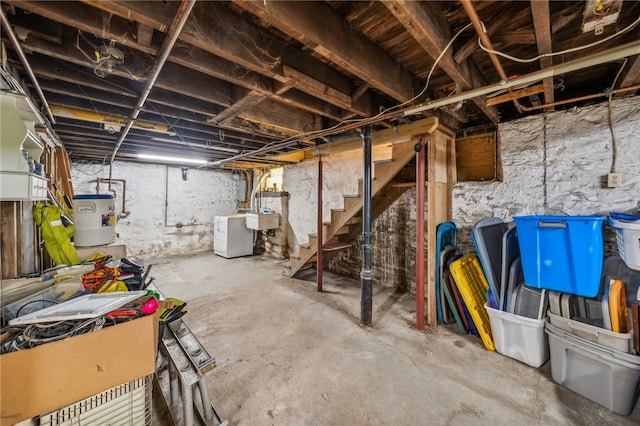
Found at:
<point>53,375</point>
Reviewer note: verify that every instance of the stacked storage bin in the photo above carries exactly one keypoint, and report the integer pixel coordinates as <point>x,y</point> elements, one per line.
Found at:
<point>590,338</point>
<point>516,312</point>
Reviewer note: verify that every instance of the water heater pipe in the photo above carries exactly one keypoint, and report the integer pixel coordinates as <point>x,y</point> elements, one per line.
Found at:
<point>124,212</point>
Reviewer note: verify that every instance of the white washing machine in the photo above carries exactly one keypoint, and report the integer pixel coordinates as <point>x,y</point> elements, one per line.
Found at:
<point>231,237</point>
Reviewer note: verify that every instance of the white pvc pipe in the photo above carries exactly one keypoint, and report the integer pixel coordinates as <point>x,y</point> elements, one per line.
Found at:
<point>623,51</point>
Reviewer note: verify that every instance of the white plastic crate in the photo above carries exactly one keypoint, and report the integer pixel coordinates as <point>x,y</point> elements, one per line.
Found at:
<point>608,377</point>
<point>628,239</point>
<point>128,404</point>
<point>519,337</point>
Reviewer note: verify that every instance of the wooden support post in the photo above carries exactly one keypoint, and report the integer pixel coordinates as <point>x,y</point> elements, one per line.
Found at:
<point>441,173</point>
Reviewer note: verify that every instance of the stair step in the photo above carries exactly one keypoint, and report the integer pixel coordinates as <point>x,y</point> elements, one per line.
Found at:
<point>354,220</point>
<point>348,217</point>
<point>383,160</point>
<point>336,246</point>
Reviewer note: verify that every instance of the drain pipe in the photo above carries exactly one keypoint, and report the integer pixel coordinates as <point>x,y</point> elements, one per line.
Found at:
<point>320,237</point>
<point>421,155</point>
<point>25,63</point>
<point>172,36</point>
<point>480,30</point>
<point>366,274</point>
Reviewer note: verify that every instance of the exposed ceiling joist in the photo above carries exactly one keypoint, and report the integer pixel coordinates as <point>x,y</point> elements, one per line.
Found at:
<point>430,28</point>
<point>249,73</point>
<point>542,25</point>
<point>308,23</point>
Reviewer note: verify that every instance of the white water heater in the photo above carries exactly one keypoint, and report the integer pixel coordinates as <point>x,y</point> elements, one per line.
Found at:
<point>94,220</point>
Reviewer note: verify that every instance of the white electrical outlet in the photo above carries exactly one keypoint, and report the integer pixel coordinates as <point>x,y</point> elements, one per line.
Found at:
<point>614,180</point>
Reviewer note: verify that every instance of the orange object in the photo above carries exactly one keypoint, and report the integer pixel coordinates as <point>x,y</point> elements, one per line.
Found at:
<point>96,279</point>
<point>618,307</point>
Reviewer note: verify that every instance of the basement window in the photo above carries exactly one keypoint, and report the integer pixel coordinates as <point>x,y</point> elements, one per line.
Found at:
<point>477,158</point>
<point>273,182</point>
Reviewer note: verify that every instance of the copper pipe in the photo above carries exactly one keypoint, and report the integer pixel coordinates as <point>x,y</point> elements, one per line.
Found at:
<point>477,24</point>
<point>583,98</point>
<point>172,36</point>
<point>319,232</point>
<point>421,156</point>
<point>16,45</point>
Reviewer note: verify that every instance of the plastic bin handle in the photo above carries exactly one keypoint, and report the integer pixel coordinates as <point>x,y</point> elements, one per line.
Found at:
<point>561,225</point>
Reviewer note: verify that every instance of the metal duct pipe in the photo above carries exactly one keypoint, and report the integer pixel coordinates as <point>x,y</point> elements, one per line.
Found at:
<point>172,36</point>
<point>366,274</point>
<point>16,45</point>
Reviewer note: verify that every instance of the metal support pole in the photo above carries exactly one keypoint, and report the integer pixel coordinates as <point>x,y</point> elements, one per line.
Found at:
<point>420,180</point>
<point>366,274</point>
<point>319,232</point>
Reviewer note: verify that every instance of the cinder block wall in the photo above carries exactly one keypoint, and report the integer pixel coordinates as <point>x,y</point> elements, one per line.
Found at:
<point>150,190</point>
<point>552,164</point>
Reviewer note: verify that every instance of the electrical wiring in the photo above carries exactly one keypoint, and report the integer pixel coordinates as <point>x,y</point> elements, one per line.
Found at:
<point>37,334</point>
<point>32,335</point>
<point>296,138</point>
<point>614,145</point>
<point>573,49</point>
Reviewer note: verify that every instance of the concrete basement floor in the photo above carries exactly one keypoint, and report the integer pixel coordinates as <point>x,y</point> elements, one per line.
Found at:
<point>287,354</point>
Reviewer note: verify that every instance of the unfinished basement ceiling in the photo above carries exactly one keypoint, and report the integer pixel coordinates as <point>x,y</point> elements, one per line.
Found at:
<point>247,75</point>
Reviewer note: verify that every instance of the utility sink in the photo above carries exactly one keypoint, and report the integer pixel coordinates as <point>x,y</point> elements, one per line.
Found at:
<point>263,221</point>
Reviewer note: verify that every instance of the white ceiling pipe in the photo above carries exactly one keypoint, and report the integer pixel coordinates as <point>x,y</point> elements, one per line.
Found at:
<point>623,51</point>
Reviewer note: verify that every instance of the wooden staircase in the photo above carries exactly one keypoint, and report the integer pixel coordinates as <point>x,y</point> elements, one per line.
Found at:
<point>346,223</point>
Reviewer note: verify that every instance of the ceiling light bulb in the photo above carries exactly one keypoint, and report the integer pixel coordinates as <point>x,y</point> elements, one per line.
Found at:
<point>180,160</point>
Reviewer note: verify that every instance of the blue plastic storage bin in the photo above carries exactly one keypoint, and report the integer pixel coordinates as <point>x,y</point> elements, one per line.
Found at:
<point>562,253</point>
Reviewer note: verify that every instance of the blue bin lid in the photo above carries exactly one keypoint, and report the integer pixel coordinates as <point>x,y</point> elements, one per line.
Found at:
<point>93,197</point>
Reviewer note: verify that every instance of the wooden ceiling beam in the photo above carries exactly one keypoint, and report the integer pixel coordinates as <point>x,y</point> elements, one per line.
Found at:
<point>312,104</point>
<point>318,88</point>
<point>516,94</point>
<point>505,15</point>
<point>307,22</point>
<point>632,73</point>
<point>542,26</point>
<point>68,53</point>
<point>514,37</point>
<point>207,133</point>
<point>50,69</point>
<point>429,27</point>
<point>91,20</point>
<point>209,27</point>
<point>144,34</point>
<point>84,18</point>
<point>250,99</point>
